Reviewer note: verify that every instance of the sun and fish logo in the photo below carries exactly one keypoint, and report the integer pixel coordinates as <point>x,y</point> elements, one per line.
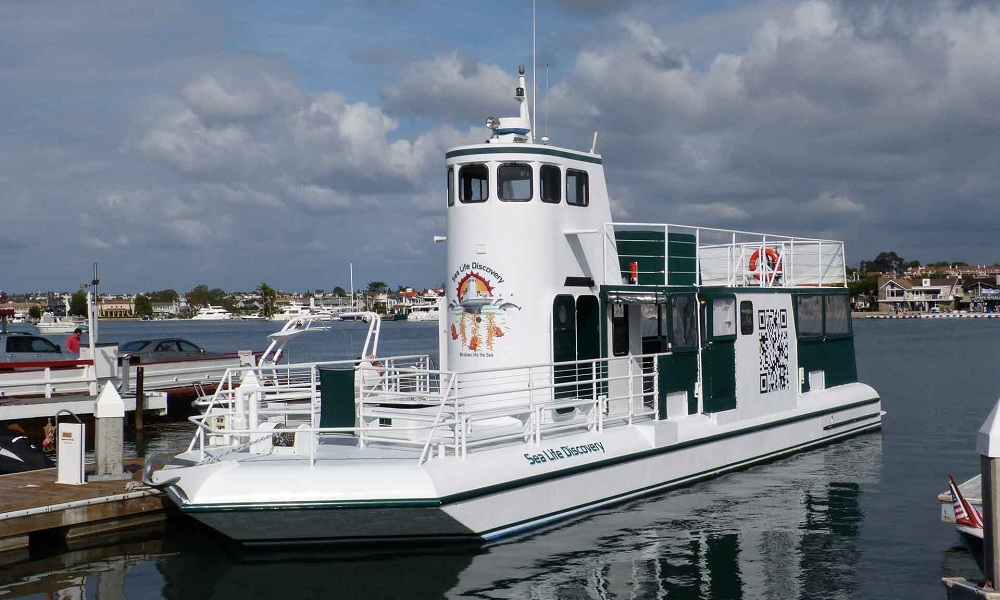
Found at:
<point>479,318</point>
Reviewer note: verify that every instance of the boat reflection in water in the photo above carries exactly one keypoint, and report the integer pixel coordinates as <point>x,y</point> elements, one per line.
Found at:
<point>792,529</point>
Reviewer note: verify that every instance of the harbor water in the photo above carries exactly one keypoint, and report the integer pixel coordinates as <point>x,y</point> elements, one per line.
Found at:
<point>857,519</point>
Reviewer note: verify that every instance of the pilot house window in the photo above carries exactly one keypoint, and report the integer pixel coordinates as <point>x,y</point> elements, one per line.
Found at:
<point>451,187</point>
<point>474,183</point>
<point>577,188</point>
<point>551,184</point>
<point>514,182</point>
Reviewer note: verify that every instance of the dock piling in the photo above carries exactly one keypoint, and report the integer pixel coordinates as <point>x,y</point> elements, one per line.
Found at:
<point>988,444</point>
<point>109,422</point>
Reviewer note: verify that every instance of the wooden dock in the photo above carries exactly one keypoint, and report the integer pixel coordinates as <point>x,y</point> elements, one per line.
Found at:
<point>35,511</point>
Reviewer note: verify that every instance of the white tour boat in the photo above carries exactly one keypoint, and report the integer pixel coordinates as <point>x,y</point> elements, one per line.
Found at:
<point>212,313</point>
<point>583,363</point>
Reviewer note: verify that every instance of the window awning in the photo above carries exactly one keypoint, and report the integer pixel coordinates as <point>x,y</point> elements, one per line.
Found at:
<point>636,297</point>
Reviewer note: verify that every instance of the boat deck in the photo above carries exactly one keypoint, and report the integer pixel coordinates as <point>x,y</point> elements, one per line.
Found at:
<point>37,510</point>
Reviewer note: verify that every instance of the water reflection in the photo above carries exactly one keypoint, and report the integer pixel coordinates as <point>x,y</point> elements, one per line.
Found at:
<point>790,529</point>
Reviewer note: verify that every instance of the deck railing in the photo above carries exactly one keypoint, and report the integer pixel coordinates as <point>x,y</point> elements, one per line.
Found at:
<point>401,403</point>
<point>667,254</point>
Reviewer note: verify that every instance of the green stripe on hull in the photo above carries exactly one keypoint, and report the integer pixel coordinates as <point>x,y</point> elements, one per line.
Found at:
<point>527,481</point>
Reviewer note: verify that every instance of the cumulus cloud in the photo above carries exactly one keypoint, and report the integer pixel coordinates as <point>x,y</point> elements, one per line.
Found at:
<point>890,109</point>
<point>867,121</point>
<point>455,87</point>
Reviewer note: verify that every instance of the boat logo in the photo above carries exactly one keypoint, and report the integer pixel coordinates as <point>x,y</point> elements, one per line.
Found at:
<point>479,317</point>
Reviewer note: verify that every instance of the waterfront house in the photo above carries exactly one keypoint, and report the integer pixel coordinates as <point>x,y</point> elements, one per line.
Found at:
<point>921,295</point>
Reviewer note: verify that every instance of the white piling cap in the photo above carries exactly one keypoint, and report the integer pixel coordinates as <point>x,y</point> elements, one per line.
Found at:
<point>988,440</point>
<point>249,381</point>
<point>109,403</point>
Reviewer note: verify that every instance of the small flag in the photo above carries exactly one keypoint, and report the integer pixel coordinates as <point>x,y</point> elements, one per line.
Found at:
<point>965,513</point>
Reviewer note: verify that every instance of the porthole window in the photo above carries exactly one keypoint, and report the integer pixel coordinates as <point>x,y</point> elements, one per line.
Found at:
<point>551,184</point>
<point>474,183</point>
<point>577,188</point>
<point>514,182</point>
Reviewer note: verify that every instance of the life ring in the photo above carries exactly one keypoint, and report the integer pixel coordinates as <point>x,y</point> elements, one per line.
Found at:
<point>773,262</point>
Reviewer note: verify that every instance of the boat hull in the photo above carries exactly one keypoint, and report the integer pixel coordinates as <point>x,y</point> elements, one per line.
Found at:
<point>496,493</point>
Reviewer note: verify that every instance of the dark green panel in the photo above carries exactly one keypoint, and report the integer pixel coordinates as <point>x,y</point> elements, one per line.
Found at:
<point>835,356</point>
<point>564,343</point>
<point>336,397</point>
<point>719,362</point>
<point>644,248</point>
<point>678,372</point>
<point>588,340</point>
<point>682,265</point>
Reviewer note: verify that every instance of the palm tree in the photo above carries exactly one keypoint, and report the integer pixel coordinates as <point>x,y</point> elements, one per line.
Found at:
<point>267,297</point>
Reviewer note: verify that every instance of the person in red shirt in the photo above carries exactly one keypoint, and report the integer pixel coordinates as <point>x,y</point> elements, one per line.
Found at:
<point>73,341</point>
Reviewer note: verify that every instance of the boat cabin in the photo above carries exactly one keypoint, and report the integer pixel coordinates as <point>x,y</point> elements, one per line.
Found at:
<point>539,273</point>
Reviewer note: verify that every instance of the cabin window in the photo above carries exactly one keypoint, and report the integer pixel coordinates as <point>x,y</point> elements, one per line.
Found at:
<point>723,317</point>
<point>809,316</point>
<point>684,321</point>
<point>451,187</point>
<point>577,188</point>
<point>838,315</point>
<point>474,183</point>
<point>551,184</point>
<point>514,182</point>
<point>619,329</point>
<point>746,317</point>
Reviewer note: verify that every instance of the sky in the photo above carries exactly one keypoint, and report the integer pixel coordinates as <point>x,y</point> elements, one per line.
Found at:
<point>229,143</point>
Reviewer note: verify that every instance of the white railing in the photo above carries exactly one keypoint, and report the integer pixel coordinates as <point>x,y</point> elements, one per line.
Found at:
<point>666,254</point>
<point>48,380</point>
<point>404,404</point>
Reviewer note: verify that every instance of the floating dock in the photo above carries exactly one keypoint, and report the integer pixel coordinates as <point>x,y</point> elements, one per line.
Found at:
<point>39,513</point>
<point>18,409</point>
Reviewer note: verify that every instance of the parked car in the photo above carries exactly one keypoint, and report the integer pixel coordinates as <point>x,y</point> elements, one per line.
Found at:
<point>19,346</point>
<point>158,349</point>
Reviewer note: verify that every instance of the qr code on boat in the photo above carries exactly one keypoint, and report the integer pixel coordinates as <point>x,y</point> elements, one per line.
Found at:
<point>772,328</point>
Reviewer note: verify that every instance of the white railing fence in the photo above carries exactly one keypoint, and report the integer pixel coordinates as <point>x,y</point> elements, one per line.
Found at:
<point>666,254</point>
<point>401,403</point>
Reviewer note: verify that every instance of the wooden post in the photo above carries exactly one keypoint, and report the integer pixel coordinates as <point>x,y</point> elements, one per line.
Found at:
<point>140,401</point>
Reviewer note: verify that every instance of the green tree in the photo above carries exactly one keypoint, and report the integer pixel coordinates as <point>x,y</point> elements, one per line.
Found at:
<point>340,292</point>
<point>377,288</point>
<point>885,262</point>
<point>167,295</point>
<point>868,287</point>
<point>217,297</point>
<point>36,312</point>
<point>268,296</point>
<point>198,296</point>
<point>78,304</point>
<point>143,306</point>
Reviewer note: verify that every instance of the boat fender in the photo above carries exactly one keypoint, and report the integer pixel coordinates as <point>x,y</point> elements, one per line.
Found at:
<point>773,262</point>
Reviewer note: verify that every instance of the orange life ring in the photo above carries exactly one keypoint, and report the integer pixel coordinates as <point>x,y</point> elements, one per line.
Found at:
<point>773,262</point>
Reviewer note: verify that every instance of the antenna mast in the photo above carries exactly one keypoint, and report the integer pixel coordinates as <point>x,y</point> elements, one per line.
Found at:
<point>534,70</point>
